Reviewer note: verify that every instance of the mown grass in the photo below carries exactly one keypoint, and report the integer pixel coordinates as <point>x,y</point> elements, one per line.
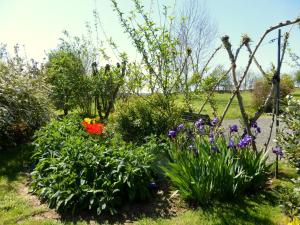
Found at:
<point>15,209</point>
<point>222,99</point>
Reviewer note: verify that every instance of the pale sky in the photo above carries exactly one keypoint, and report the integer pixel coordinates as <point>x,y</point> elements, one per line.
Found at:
<point>38,24</point>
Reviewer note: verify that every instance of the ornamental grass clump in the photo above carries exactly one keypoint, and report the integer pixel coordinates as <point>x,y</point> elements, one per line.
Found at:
<point>206,165</point>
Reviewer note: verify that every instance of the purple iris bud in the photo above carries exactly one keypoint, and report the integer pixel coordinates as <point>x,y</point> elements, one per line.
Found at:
<point>233,128</point>
<point>254,125</point>
<point>196,152</point>
<point>258,130</point>
<point>215,121</point>
<point>211,137</point>
<point>172,134</point>
<point>215,149</point>
<point>199,123</point>
<point>180,127</point>
<point>278,151</point>
<point>152,186</point>
<point>231,143</point>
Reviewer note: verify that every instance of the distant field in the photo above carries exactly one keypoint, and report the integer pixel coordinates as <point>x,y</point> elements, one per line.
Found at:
<point>222,99</point>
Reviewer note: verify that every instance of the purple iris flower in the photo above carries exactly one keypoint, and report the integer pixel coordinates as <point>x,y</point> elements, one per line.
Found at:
<point>278,151</point>
<point>215,149</point>
<point>233,128</point>
<point>211,137</point>
<point>201,129</point>
<point>231,143</point>
<point>199,123</point>
<point>180,127</point>
<point>245,141</point>
<point>172,134</point>
<point>215,121</point>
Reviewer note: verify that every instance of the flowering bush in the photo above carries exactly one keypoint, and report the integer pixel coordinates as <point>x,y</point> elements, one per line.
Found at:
<point>205,165</point>
<point>289,136</point>
<point>78,171</point>
<point>24,106</point>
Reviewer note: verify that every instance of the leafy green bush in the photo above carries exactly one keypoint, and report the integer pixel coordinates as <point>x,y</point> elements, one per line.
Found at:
<point>289,136</point>
<point>70,87</point>
<point>206,168</point>
<point>261,89</point>
<point>139,117</point>
<point>77,171</point>
<point>24,106</point>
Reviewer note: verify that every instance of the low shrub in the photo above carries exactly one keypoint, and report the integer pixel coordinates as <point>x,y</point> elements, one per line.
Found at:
<point>261,89</point>
<point>204,166</point>
<point>289,136</point>
<point>79,171</point>
<point>139,117</point>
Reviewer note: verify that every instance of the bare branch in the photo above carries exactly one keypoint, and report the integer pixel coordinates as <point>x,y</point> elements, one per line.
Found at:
<point>261,110</point>
<point>227,46</point>
<point>252,56</point>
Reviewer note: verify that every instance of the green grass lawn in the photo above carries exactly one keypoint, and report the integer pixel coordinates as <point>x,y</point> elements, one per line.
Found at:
<point>16,209</point>
<point>221,102</point>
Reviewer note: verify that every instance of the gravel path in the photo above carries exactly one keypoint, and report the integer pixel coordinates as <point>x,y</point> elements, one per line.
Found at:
<point>264,123</point>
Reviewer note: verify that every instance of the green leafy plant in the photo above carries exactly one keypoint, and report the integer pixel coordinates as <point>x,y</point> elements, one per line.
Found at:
<point>138,117</point>
<point>289,136</point>
<point>289,196</point>
<point>261,89</point>
<point>65,72</point>
<point>204,166</point>
<point>77,171</point>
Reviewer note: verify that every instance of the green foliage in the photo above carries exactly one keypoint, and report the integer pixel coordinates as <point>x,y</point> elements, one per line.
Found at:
<point>290,200</point>
<point>203,172</point>
<point>137,118</point>
<point>24,106</point>
<point>65,73</point>
<point>76,171</point>
<point>261,89</point>
<point>289,136</point>
<point>159,49</point>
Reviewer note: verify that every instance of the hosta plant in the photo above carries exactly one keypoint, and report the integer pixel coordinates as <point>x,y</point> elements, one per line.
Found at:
<point>205,165</point>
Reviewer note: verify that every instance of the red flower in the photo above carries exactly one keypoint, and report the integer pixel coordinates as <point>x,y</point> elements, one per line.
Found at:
<point>96,128</point>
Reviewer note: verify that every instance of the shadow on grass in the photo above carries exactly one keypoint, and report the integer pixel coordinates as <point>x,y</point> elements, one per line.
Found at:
<point>15,160</point>
<point>247,210</point>
<point>157,207</point>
